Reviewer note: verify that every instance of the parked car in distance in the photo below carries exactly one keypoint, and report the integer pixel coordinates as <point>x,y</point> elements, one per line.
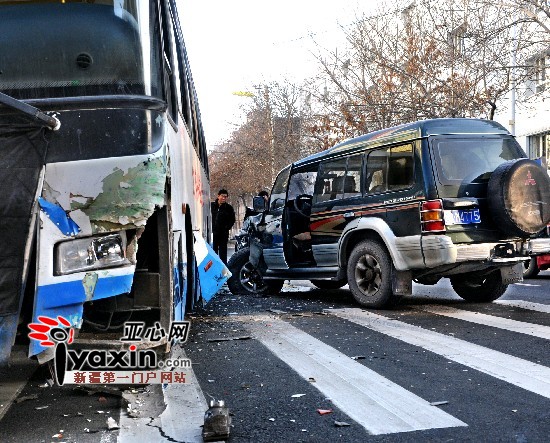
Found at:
<point>453,198</point>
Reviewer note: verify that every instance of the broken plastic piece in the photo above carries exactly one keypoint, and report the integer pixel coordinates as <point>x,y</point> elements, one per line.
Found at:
<point>112,424</point>
<point>340,424</point>
<point>438,403</point>
<point>297,395</point>
<point>324,411</point>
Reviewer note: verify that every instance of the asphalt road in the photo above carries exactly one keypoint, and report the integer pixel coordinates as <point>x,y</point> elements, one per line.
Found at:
<point>435,368</point>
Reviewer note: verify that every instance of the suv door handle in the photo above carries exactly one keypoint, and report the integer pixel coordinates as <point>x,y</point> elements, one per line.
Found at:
<point>349,215</point>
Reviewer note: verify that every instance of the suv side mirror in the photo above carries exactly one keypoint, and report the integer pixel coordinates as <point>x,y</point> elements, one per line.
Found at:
<point>259,204</point>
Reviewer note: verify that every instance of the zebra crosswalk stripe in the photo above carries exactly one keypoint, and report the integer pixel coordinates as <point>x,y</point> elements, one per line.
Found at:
<point>514,370</point>
<point>373,401</point>
<point>532,306</point>
<point>489,320</point>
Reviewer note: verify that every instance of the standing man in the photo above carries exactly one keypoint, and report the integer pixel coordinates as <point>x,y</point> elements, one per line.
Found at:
<point>223,219</point>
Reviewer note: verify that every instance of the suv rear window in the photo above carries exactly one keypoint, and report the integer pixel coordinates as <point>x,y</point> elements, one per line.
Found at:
<point>472,159</point>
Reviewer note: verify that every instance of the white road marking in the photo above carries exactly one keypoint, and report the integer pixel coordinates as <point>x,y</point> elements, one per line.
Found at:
<point>180,421</point>
<point>532,306</point>
<point>186,405</point>
<point>489,320</point>
<point>373,401</point>
<point>519,372</point>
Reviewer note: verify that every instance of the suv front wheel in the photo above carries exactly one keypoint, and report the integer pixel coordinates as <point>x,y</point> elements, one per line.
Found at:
<point>477,288</point>
<point>369,275</point>
<point>246,279</point>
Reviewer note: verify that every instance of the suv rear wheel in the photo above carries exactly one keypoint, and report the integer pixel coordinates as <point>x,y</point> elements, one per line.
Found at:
<point>369,275</point>
<point>477,288</point>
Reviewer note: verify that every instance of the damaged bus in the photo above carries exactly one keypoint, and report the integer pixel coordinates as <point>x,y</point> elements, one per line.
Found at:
<point>103,166</point>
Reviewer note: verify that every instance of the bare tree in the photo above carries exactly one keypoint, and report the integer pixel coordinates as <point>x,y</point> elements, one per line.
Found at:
<point>268,140</point>
<point>416,60</point>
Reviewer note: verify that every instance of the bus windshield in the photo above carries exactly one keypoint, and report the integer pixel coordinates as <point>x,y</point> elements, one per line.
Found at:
<point>80,48</point>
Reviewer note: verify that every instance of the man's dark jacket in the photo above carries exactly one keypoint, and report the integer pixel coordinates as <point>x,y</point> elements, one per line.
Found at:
<point>223,218</point>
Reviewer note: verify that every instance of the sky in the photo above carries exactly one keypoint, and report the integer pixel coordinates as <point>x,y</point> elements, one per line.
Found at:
<point>234,45</point>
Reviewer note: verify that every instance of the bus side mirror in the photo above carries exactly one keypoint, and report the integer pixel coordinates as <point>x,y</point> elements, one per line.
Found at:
<point>259,204</point>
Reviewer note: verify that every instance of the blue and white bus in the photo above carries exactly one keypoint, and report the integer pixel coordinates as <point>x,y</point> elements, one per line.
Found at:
<point>103,166</point>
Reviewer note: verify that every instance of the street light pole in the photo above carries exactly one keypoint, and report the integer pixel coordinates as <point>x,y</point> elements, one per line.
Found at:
<point>513,83</point>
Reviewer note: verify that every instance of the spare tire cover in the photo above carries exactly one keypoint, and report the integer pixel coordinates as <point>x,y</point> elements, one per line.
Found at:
<point>518,194</point>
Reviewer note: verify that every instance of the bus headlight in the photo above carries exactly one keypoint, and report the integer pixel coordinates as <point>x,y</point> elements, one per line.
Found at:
<point>90,253</point>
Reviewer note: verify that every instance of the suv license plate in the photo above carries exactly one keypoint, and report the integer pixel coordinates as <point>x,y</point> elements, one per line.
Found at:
<point>461,216</point>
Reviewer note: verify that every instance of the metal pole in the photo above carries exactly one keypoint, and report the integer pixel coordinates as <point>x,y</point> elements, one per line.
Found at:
<point>513,84</point>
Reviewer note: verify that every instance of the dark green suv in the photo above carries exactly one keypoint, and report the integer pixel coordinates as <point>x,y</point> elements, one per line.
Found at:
<point>452,198</point>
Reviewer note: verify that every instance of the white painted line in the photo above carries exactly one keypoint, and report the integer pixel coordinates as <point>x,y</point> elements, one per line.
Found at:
<point>489,320</point>
<point>185,407</point>
<point>532,306</point>
<point>380,406</point>
<point>521,373</point>
<point>181,420</point>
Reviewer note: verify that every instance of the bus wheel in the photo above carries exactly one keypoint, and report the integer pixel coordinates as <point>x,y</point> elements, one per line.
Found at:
<point>369,275</point>
<point>246,279</point>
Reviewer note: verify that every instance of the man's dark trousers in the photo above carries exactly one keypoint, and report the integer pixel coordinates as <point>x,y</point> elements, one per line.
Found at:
<point>219,244</point>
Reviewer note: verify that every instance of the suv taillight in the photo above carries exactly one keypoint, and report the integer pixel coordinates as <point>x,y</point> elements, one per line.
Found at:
<point>431,216</point>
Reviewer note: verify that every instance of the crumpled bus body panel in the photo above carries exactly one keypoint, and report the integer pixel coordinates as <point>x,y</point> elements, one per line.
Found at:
<point>98,196</point>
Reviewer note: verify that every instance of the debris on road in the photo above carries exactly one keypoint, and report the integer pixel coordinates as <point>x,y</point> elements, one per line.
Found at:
<point>38,408</point>
<point>358,357</point>
<point>340,424</point>
<point>276,311</point>
<point>438,403</point>
<point>47,384</point>
<point>105,390</point>
<point>26,397</point>
<point>243,337</point>
<point>112,424</point>
<point>217,422</point>
<point>324,411</point>
<point>297,395</point>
